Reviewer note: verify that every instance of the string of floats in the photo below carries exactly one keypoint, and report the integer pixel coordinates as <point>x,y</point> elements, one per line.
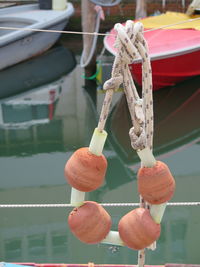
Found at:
<point>93,33</point>
<point>63,205</point>
<point>60,205</point>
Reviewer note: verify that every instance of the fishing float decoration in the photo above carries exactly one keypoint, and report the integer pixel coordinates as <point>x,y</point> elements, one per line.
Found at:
<point>86,169</point>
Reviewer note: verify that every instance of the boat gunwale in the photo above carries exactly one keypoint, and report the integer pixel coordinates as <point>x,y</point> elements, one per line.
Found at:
<point>157,56</point>
<point>18,34</point>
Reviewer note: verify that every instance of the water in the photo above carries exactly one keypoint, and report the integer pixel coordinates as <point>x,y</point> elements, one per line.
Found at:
<point>53,114</point>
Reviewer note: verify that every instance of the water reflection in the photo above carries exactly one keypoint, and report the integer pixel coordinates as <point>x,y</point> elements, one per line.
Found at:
<point>175,117</point>
<point>36,72</point>
<point>41,128</point>
<point>26,117</point>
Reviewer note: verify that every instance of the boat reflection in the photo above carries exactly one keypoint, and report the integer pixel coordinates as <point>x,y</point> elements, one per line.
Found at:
<point>30,92</point>
<point>35,72</point>
<point>176,122</point>
<point>33,153</point>
<point>176,128</point>
<point>31,108</point>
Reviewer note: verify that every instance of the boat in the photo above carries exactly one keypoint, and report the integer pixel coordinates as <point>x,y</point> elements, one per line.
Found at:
<point>174,50</point>
<point>19,38</point>
<point>33,73</point>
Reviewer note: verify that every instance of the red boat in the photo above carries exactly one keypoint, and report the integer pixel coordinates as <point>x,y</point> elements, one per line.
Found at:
<point>174,50</point>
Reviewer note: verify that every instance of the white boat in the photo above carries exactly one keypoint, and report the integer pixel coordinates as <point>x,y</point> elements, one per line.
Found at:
<point>16,44</point>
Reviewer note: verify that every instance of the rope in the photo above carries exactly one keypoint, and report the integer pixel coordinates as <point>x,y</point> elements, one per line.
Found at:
<point>62,205</point>
<point>83,64</point>
<point>93,33</point>
<point>110,85</point>
<point>141,110</point>
<point>130,43</point>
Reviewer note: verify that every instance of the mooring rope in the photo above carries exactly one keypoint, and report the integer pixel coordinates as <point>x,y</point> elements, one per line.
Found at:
<point>93,33</point>
<point>130,43</point>
<point>63,205</point>
<point>84,62</point>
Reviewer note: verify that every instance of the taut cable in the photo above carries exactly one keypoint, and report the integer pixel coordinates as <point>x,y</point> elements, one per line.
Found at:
<point>63,205</point>
<point>94,33</point>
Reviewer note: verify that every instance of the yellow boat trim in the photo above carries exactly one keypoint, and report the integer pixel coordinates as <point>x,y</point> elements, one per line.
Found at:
<point>171,18</point>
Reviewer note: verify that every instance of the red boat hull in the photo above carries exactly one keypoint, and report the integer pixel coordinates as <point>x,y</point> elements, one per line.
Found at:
<point>171,70</point>
<point>174,54</point>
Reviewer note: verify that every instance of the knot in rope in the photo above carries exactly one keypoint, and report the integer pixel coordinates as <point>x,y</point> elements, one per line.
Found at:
<point>132,45</point>
<point>113,83</point>
<point>128,37</point>
<point>138,140</point>
<point>137,134</point>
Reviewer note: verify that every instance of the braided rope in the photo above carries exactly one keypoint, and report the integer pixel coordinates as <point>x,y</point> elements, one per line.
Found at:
<point>63,205</point>
<point>131,42</point>
<point>110,85</point>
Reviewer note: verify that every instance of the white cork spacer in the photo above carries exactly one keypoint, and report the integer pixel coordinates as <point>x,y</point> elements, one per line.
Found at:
<point>113,238</point>
<point>97,142</point>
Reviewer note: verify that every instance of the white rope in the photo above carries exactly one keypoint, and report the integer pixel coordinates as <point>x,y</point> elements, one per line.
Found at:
<point>83,61</point>
<point>62,205</point>
<point>93,33</point>
<point>53,31</point>
<point>131,42</point>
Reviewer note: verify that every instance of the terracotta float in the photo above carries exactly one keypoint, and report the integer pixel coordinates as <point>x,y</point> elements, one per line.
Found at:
<point>156,184</point>
<point>137,229</point>
<point>85,171</point>
<point>90,222</point>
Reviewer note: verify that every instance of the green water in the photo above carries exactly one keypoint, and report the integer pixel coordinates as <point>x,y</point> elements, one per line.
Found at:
<point>37,136</point>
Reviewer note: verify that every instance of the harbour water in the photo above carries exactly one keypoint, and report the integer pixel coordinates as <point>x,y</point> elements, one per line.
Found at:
<point>52,115</point>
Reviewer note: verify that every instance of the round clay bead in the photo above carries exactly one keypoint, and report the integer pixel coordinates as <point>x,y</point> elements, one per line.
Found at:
<point>90,223</point>
<point>156,184</point>
<point>137,229</point>
<point>85,171</point>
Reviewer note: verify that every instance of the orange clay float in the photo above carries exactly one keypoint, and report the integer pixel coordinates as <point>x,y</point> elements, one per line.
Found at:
<point>90,222</point>
<point>156,184</point>
<point>85,171</point>
<point>86,168</point>
<point>137,229</point>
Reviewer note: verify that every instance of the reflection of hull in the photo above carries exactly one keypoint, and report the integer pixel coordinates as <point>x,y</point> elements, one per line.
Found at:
<point>176,122</point>
<point>48,118</point>
<point>36,72</point>
<point>30,108</point>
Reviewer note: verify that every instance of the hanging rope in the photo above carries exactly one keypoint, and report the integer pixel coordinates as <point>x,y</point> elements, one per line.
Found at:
<point>83,61</point>
<point>130,44</point>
